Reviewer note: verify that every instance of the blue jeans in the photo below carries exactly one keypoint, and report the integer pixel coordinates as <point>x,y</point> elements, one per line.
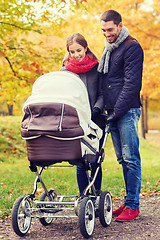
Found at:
<point>81,174</point>
<point>125,138</point>
<point>83,180</point>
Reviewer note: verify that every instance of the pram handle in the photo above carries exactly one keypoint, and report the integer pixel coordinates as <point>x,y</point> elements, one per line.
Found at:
<point>104,115</point>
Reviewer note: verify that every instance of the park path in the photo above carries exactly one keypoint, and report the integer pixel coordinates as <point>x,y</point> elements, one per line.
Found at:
<point>145,227</point>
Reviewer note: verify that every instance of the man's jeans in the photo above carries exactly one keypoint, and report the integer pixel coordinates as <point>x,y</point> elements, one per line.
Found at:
<point>126,143</point>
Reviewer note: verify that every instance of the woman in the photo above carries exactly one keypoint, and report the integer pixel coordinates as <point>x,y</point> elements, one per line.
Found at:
<point>82,61</point>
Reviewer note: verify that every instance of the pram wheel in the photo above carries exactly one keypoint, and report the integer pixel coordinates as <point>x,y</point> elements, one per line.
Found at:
<point>43,197</point>
<point>86,217</point>
<point>21,216</point>
<point>105,209</point>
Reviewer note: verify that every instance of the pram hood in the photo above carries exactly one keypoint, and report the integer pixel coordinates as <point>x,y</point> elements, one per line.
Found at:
<point>57,121</point>
<point>55,89</point>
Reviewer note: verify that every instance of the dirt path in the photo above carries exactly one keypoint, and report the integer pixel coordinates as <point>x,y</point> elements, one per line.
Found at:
<point>145,227</point>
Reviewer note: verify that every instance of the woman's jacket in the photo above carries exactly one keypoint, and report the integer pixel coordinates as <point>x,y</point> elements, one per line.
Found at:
<point>93,82</point>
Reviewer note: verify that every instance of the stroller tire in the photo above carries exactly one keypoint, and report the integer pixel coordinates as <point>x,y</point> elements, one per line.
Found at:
<point>21,217</point>
<point>105,209</point>
<point>45,221</point>
<point>86,217</point>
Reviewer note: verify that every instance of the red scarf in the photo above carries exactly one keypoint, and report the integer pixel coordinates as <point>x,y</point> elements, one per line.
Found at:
<point>80,66</point>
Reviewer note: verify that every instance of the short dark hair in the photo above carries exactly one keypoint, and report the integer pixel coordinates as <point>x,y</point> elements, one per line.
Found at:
<point>111,15</point>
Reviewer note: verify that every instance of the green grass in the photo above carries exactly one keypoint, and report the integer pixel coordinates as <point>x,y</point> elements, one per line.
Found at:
<point>16,179</point>
<point>12,146</point>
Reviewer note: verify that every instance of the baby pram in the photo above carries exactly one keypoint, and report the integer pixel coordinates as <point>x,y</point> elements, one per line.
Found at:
<point>57,127</point>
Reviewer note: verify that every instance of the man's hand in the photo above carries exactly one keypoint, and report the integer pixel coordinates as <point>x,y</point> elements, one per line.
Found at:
<point>112,118</point>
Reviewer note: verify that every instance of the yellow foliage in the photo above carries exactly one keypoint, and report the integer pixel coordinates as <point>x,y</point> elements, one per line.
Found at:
<point>143,25</point>
<point>33,54</point>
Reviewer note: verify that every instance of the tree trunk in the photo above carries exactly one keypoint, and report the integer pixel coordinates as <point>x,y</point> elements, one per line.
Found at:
<point>10,110</point>
<point>146,115</point>
<point>142,120</point>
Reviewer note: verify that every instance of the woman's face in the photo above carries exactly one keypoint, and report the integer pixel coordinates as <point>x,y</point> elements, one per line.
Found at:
<point>77,51</point>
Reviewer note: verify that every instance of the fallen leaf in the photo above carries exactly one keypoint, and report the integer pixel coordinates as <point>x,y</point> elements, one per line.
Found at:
<point>40,190</point>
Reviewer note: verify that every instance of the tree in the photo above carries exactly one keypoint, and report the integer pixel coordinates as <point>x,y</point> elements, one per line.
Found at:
<point>22,60</point>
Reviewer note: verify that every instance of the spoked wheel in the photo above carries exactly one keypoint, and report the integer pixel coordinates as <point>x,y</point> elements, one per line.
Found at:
<point>86,217</point>
<point>105,209</point>
<point>43,197</point>
<point>21,216</point>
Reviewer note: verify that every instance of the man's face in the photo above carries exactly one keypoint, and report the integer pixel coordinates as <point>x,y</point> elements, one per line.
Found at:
<point>111,30</point>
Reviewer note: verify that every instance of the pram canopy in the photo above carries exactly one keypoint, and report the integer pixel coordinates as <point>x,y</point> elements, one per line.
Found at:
<point>59,109</point>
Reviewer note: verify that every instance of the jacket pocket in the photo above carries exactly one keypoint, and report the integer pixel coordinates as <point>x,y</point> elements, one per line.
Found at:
<point>112,94</point>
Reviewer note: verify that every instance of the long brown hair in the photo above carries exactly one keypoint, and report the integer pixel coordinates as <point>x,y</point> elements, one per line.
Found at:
<point>78,38</point>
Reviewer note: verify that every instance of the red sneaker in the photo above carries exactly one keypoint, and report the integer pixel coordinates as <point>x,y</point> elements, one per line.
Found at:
<point>128,214</point>
<point>118,211</point>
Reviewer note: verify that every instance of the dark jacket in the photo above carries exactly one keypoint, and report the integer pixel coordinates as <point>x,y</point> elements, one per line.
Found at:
<point>122,83</point>
<point>93,82</point>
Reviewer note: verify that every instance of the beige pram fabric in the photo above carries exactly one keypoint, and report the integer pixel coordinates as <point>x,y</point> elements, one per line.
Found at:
<point>59,108</point>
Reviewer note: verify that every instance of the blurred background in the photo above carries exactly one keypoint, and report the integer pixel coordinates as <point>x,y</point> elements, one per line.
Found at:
<point>33,37</point>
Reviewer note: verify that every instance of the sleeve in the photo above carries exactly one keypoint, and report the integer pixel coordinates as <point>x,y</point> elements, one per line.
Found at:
<point>133,67</point>
<point>99,103</point>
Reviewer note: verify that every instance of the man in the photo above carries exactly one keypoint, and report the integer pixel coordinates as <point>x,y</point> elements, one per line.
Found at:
<point>121,66</point>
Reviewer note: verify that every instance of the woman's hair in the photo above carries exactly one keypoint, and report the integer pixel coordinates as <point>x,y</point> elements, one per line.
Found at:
<point>111,15</point>
<point>78,38</point>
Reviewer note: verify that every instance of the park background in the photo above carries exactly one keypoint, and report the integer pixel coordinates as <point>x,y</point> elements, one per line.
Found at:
<point>33,37</point>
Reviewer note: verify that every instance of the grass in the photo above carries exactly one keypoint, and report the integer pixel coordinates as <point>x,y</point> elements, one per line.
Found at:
<point>16,179</point>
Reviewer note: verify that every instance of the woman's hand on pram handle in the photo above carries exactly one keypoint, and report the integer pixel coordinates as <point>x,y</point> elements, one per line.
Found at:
<point>112,118</point>
<point>95,112</point>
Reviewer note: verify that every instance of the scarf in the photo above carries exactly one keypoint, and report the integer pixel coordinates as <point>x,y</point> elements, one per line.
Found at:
<point>109,47</point>
<point>80,66</point>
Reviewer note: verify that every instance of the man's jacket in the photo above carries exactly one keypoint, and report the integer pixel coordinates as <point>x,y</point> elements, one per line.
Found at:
<point>122,83</point>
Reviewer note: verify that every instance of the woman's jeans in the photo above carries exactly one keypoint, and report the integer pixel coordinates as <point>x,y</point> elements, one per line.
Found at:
<point>83,180</point>
<point>125,138</point>
<point>81,174</point>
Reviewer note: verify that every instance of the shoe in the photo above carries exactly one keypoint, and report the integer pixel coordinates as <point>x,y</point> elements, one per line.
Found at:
<point>118,211</point>
<point>128,214</point>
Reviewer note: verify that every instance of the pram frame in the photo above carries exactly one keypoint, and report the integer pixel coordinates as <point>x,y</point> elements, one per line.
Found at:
<point>57,118</point>
<point>46,214</point>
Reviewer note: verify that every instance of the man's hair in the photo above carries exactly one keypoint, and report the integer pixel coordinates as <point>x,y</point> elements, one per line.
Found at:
<point>111,15</point>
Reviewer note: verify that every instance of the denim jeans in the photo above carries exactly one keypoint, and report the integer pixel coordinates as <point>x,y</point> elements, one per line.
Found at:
<point>125,138</point>
<point>83,180</point>
<point>81,174</point>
